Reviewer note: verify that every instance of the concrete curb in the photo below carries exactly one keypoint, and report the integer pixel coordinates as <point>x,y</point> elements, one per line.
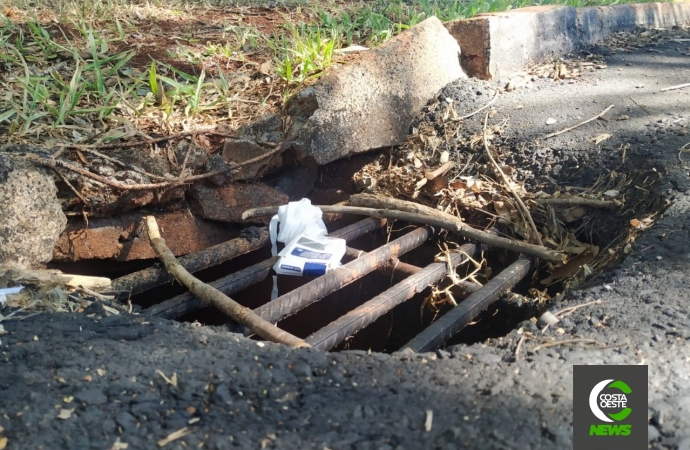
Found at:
<point>500,44</point>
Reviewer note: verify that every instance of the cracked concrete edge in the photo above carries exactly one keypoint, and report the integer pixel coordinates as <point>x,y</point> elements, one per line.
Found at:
<point>497,45</point>
<point>371,102</point>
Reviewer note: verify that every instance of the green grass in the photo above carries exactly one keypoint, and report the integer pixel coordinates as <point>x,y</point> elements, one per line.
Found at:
<point>80,85</point>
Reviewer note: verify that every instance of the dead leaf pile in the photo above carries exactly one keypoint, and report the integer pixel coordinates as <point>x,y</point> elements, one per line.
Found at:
<point>51,290</point>
<point>647,37</point>
<point>568,68</point>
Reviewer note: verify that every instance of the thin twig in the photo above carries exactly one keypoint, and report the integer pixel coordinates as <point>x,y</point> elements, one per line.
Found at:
<point>186,157</point>
<point>118,184</point>
<point>432,174</point>
<point>579,124</point>
<point>14,313</point>
<point>419,214</point>
<point>122,164</point>
<point>568,311</point>
<point>580,201</point>
<point>72,188</point>
<point>97,295</point>
<point>140,187</point>
<point>506,181</point>
<point>241,314</point>
<point>678,86</point>
<point>682,150</point>
<point>491,102</point>
<point>641,106</point>
<point>143,142</point>
<point>567,342</point>
<point>519,346</point>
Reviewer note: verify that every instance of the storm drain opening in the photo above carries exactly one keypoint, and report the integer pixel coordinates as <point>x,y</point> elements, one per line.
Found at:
<point>456,236</point>
<point>401,285</point>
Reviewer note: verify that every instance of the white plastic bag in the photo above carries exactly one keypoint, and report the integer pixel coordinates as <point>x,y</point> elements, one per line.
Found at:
<point>295,219</point>
<point>308,251</point>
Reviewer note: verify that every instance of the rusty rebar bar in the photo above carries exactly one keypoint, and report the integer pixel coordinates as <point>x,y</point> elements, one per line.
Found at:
<point>357,319</point>
<point>182,304</point>
<point>457,318</point>
<point>230,307</point>
<point>305,295</point>
<point>395,268</point>
<point>143,280</point>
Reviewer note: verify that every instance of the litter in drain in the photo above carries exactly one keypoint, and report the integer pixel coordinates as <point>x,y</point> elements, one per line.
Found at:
<point>408,281</point>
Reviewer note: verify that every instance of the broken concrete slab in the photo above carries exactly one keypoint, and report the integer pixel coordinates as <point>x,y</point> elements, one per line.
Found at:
<point>123,238</point>
<point>31,218</point>
<point>500,44</point>
<point>227,203</point>
<point>370,103</point>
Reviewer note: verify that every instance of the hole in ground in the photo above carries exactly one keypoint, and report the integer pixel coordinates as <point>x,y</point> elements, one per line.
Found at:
<point>610,230</point>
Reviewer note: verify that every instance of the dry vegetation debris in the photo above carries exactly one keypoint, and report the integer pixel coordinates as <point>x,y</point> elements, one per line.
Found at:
<point>456,164</point>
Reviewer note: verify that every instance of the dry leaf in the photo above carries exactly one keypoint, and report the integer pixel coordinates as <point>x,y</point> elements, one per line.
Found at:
<point>88,378</point>
<point>573,214</point>
<point>171,156</point>
<point>600,138</point>
<point>118,445</point>
<point>82,157</point>
<point>65,414</point>
<point>172,380</point>
<point>100,372</point>
<point>611,193</point>
<point>266,68</point>
<point>623,117</point>
<point>505,210</point>
<point>641,224</point>
<point>573,266</point>
<point>3,443</point>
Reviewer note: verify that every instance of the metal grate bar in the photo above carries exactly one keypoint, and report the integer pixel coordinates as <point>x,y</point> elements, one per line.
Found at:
<point>143,280</point>
<point>182,304</point>
<point>318,288</point>
<point>457,318</point>
<point>357,319</point>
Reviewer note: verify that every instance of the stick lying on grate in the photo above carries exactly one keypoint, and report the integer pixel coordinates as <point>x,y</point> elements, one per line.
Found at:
<point>389,208</point>
<point>239,313</point>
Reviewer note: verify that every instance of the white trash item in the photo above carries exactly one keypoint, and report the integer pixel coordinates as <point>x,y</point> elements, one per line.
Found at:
<point>308,251</point>
<point>310,256</point>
